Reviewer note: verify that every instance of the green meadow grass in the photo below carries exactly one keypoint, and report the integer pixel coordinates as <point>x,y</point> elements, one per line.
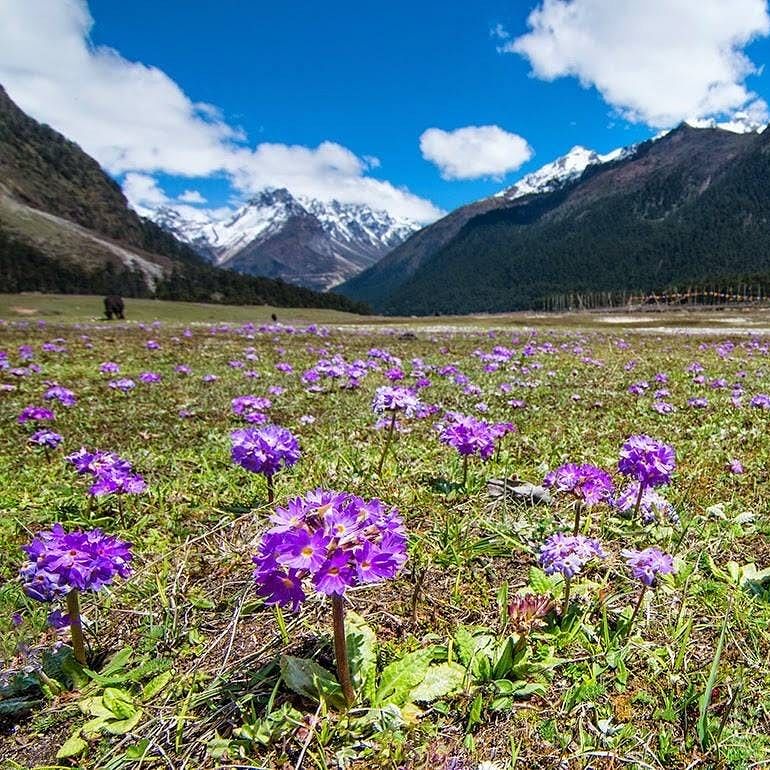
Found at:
<point>202,687</point>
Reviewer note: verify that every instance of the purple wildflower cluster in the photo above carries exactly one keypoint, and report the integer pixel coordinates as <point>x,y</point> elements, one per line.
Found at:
<point>112,474</point>
<point>264,450</point>
<point>46,438</point>
<point>60,561</point>
<point>652,505</point>
<point>390,400</point>
<point>468,435</point>
<point>647,460</point>
<point>568,554</point>
<point>333,539</point>
<point>588,483</point>
<point>251,408</point>
<point>33,413</point>
<point>646,565</point>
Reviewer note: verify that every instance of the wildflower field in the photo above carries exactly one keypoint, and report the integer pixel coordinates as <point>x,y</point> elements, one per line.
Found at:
<point>244,546</point>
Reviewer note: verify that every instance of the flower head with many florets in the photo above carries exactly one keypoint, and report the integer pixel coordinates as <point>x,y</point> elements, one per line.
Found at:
<point>264,450</point>
<point>332,540</point>
<point>647,460</point>
<point>60,561</point>
<point>389,399</point>
<point>468,435</point>
<point>588,483</point>
<point>646,565</point>
<point>568,554</point>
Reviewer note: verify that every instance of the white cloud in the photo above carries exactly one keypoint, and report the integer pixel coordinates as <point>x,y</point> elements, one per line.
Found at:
<point>474,151</point>
<point>499,31</point>
<point>655,61</point>
<point>134,118</point>
<point>191,196</point>
<point>143,191</point>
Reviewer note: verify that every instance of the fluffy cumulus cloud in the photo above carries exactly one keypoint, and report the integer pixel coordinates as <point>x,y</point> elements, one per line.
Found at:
<point>134,119</point>
<point>473,152</point>
<point>655,61</point>
<point>191,196</point>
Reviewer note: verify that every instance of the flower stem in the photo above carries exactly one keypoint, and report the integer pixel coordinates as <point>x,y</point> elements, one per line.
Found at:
<point>638,500</point>
<point>389,438</point>
<point>76,626</point>
<point>578,512</point>
<point>565,603</point>
<point>341,648</point>
<point>636,609</point>
<point>465,469</point>
<point>270,489</point>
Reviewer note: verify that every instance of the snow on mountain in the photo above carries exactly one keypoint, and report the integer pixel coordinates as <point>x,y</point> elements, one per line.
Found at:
<point>277,234</point>
<point>554,175</point>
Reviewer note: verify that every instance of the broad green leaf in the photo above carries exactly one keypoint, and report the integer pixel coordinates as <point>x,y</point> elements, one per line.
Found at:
<point>93,727</point>
<point>138,750</point>
<point>155,685</point>
<point>119,702</point>
<point>73,746</point>
<point>362,653</point>
<point>123,726</point>
<point>118,661</point>
<point>465,645</point>
<point>403,675</point>
<point>305,677</point>
<point>95,707</point>
<point>474,712</point>
<point>440,680</point>
<point>539,582</point>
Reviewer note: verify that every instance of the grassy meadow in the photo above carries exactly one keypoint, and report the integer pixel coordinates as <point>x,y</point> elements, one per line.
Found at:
<point>188,666</point>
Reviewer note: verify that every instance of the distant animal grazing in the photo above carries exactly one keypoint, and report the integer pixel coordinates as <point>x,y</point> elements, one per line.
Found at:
<point>274,317</point>
<point>113,306</point>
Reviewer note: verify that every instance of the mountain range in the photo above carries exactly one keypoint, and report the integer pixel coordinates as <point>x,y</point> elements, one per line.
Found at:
<point>66,226</point>
<point>689,207</point>
<point>298,239</point>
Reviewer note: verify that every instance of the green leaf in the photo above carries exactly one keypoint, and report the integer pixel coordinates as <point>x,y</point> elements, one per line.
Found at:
<point>155,685</point>
<point>73,746</point>
<point>401,676</point>
<point>704,733</point>
<point>465,645</point>
<point>474,712</point>
<point>138,750</point>
<point>305,677</point>
<point>118,661</point>
<point>539,582</point>
<point>440,680</point>
<point>123,726</point>
<point>362,654</point>
<point>17,706</point>
<point>119,702</point>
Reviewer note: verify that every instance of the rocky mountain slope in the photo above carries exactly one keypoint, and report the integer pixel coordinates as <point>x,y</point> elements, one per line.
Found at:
<point>302,240</point>
<point>691,205</point>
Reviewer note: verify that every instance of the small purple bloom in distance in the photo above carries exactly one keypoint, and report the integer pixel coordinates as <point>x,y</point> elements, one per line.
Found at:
<point>389,399</point>
<point>33,413</point>
<point>109,367</point>
<point>46,438</point>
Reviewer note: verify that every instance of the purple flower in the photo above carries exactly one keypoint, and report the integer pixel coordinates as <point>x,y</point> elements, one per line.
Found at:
<point>109,367</point>
<point>334,540</point>
<point>468,435</point>
<point>150,377</point>
<point>59,562</point>
<point>646,565</point>
<point>568,554</point>
<point>652,507</point>
<point>395,399</point>
<point>698,402</point>
<point>33,413</point>
<point>46,438</point>
<point>264,450</point>
<point>760,401</point>
<point>182,370</point>
<point>649,461</point>
<point>735,466</point>
<point>588,483</point>
<point>62,395</point>
<point>124,384</point>
<point>112,474</point>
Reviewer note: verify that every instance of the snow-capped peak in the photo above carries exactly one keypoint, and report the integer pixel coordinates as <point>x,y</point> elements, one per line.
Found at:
<point>554,175</point>
<point>739,123</point>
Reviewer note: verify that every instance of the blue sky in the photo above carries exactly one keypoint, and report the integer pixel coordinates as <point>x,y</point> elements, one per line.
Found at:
<point>369,79</point>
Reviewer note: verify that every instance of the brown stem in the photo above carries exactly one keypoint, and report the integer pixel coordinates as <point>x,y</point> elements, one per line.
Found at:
<point>578,511</point>
<point>270,489</point>
<point>341,648</point>
<point>76,626</point>
<point>636,609</point>
<point>389,438</point>
<point>638,500</point>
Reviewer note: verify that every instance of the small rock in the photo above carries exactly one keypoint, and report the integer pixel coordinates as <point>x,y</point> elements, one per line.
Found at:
<point>517,491</point>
